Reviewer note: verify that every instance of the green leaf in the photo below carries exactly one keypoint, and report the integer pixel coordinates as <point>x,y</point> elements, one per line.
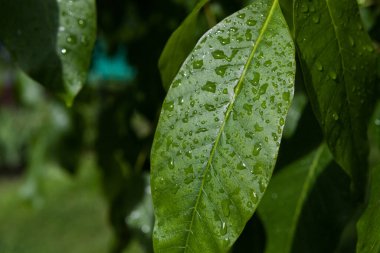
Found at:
<point>220,129</point>
<point>281,206</point>
<point>51,41</point>
<point>369,224</point>
<point>180,44</point>
<point>338,61</point>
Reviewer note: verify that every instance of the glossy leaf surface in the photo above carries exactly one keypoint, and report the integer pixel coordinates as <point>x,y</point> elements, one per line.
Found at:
<point>219,131</point>
<point>179,45</point>
<point>281,207</point>
<point>337,61</point>
<point>51,41</point>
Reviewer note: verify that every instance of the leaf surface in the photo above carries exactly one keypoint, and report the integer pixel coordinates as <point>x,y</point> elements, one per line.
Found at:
<point>337,61</point>
<point>280,208</point>
<point>369,224</point>
<point>180,44</point>
<point>219,131</point>
<point>51,41</point>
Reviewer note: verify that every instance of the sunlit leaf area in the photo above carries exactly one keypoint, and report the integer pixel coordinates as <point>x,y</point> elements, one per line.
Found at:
<point>190,126</point>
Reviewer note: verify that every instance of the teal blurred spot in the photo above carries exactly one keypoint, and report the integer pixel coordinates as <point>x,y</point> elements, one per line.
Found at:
<point>114,67</point>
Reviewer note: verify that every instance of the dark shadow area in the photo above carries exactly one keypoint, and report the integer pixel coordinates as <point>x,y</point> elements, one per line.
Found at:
<point>30,35</point>
<point>328,209</point>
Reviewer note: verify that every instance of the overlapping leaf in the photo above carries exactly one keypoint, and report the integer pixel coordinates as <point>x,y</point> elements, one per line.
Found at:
<point>337,62</point>
<point>219,131</point>
<point>51,40</point>
<point>179,45</point>
<point>282,204</point>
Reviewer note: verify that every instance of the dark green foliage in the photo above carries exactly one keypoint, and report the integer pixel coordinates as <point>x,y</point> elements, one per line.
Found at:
<point>216,153</point>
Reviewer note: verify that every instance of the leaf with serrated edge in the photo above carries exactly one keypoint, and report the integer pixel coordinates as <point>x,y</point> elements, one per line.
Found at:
<point>281,206</point>
<point>220,129</point>
<point>337,61</point>
<point>51,41</point>
<point>179,45</point>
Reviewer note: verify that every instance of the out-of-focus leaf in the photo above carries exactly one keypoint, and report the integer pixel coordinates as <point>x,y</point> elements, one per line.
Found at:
<point>294,115</point>
<point>338,62</point>
<point>180,44</point>
<point>220,128</point>
<point>51,41</point>
<point>281,207</point>
<point>369,224</point>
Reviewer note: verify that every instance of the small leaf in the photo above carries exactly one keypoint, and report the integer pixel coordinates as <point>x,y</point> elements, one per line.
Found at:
<point>281,206</point>
<point>180,44</point>
<point>220,129</point>
<point>338,62</point>
<point>51,41</point>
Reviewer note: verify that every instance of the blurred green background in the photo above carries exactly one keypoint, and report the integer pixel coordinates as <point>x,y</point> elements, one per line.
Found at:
<point>76,179</point>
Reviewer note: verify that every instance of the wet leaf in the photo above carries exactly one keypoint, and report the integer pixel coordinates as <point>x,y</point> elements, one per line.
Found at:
<point>219,131</point>
<point>180,44</point>
<point>281,207</point>
<point>338,62</point>
<point>51,41</point>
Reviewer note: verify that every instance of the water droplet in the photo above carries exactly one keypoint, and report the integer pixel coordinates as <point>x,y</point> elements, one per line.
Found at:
<point>168,105</point>
<point>221,70</point>
<point>64,51</point>
<point>257,149</point>
<point>282,122</point>
<point>201,130</point>
<point>264,104</point>
<point>225,91</point>
<point>258,169</point>
<point>286,96</point>
<point>333,75</point>
<point>241,15</point>
<point>316,19</point>
<point>198,64</point>
<point>258,128</point>
<point>248,108</point>
<point>224,41</point>
<point>249,135</point>
<point>223,228</point>
<point>209,86</point>
<point>233,29</point>
<point>81,22</point>
<point>251,22</point>
<point>241,166</point>
<point>263,89</point>
<point>319,66</point>
<point>254,198</point>
<point>171,164</point>
<point>267,63</point>
<point>226,207</point>
<point>209,107</point>
<point>262,185</point>
<point>248,35</point>
<point>218,54</point>
<point>71,39</point>
<point>256,78</point>
<point>335,116</point>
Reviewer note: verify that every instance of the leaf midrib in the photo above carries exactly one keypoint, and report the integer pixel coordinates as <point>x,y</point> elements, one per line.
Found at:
<point>305,190</point>
<point>227,115</point>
